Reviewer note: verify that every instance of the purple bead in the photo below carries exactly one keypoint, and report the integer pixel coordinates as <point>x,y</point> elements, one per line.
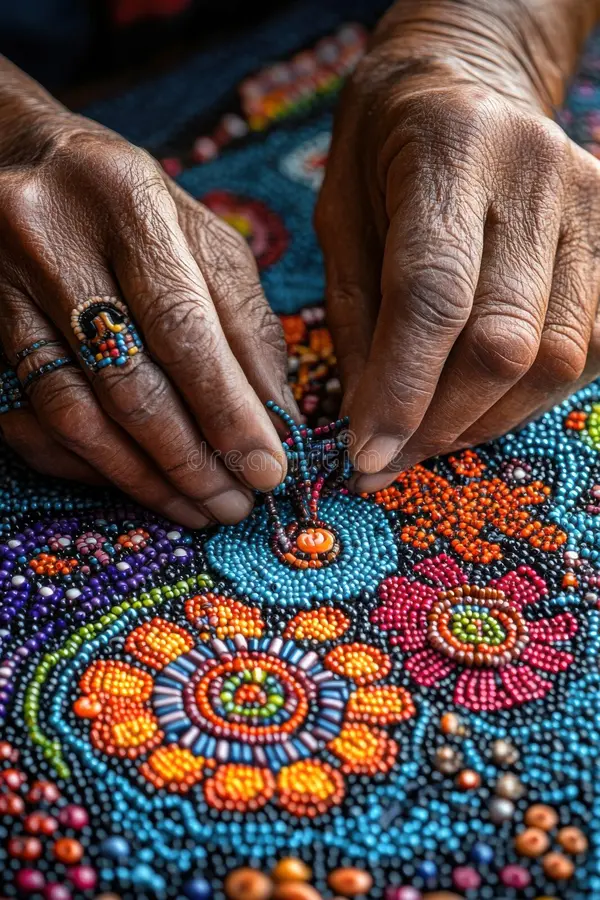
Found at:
<point>465,878</point>
<point>515,877</point>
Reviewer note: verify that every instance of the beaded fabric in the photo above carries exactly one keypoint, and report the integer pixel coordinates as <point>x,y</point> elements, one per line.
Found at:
<point>386,696</point>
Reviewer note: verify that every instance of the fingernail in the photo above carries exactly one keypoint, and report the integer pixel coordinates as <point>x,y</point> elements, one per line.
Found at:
<point>184,512</point>
<point>369,484</point>
<point>380,452</point>
<point>264,470</point>
<point>229,507</point>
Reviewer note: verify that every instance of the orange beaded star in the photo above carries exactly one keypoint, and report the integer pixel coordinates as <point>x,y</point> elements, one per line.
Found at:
<point>461,512</point>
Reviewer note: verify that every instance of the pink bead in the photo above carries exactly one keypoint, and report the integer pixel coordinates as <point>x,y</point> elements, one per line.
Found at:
<point>204,149</point>
<point>74,817</point>
<point>465,878</point>
<point>29,880</point>
<point>55,891</point>
<point>404,892</point>
<point>172,166</point>
<point>83,877</point>
<point>515,877</point>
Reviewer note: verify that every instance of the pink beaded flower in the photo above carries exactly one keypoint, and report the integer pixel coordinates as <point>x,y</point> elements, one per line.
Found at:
<point>478,634</point>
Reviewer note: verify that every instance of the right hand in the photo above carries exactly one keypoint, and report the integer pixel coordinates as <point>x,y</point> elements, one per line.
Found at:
<point>85,214</point>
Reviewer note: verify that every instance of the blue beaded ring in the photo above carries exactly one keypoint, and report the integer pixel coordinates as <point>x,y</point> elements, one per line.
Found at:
<point>37,345</point>
<point>48,367</point>
<point>106,333</point>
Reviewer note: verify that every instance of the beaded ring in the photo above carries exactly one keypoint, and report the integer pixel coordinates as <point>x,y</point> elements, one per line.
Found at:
<point>11,392</point>
<point>48,367</point>
<point>37,345</point>
<point>107,335</point>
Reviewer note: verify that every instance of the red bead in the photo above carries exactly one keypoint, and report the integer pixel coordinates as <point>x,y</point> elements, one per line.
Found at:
<point>11,805</point>
<point>13,778</point>
<point>43,790</point>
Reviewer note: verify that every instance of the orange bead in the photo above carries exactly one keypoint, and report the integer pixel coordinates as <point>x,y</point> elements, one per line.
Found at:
<point>87,708</point>
<point>295,890</point>
<point>557,866</point>
<point>350,881</point>
<point>450,723</point>
<point>68,850</point>
<point>248,884</point>
<point>572,839</point>
<point>532,842</point>
<point>541,816</point>
<point>468,780</point>
<point>290,868</point>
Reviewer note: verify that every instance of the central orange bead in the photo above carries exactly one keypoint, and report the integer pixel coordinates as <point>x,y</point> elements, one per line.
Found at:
<point>315,540</point>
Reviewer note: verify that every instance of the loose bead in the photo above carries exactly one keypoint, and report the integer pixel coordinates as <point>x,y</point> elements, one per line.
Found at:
<point>248,884</point>
<point>350,881</point>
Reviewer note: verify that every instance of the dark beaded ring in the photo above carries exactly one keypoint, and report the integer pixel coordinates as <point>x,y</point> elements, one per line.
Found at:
<point>37,345</point>
<point>46,368</point>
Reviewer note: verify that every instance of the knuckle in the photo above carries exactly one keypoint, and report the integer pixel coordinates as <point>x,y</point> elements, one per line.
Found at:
<point>129,405</point>
<point>179,328</point>
<point>562,356</point>
<point>67,414</point>
<point>435,297</point>
<point>266,327</point>
<point>503,346</point>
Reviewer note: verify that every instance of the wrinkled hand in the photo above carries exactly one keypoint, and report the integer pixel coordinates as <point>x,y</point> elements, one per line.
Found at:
<point>461,231</point>
<point>84,214</point>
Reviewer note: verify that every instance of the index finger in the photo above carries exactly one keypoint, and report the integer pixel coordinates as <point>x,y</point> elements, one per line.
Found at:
<point>430,272</point>
<point>169,297</point>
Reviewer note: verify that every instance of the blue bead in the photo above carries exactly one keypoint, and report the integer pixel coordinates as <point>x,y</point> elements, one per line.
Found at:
<point>197,889</point>
<point>427,870</point>
<point>482,853</point>
<point>116,847</point>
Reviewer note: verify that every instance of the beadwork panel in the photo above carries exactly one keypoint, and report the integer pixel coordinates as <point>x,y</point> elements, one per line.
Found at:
<point>382,696</point>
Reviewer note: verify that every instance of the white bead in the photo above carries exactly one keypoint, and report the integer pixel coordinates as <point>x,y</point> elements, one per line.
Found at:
<point>173,535</point>
<point>46,591</point>
<point>13,544</point>
<point>123,566</point>
<point>17,580</point>
<point>73,593</point>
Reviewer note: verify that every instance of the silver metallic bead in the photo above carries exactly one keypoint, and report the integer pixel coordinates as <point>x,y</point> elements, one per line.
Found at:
<point>448,760</point>
<point>510,787</point>
<point>501,810</point>
<point>504,753</point>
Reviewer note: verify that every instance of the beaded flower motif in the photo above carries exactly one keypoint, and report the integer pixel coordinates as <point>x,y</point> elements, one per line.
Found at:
<point>252,717</point>
<point>460,512</point>
<point>479,634</point>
